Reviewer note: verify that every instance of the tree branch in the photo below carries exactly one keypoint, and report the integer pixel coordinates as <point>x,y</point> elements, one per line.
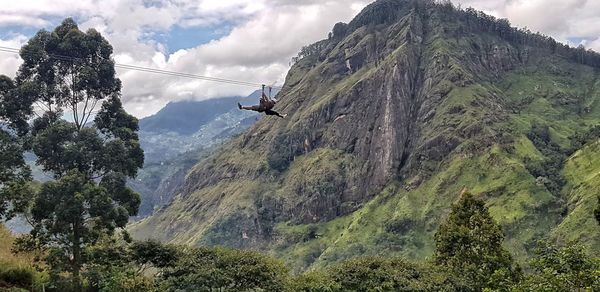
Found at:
<point>74,98</point>
<point>90,113</point>
<point>41,105</point>
<point>29,221</point>
<point>87,98</point>
<point>75,118</point>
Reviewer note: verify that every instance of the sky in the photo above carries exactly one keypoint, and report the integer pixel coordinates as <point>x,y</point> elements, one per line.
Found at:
<point>247,40</point>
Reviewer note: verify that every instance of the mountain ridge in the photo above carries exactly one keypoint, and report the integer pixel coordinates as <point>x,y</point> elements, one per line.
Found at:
<point>187,116</point>
<point>390,118</point>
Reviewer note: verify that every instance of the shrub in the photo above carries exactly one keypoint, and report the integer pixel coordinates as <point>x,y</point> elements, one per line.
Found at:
<point>16,277</point>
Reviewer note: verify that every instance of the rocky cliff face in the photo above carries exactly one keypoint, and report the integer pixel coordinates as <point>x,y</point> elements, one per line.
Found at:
<point>389,119</point>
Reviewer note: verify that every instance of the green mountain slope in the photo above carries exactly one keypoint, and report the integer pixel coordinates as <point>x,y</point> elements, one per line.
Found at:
<point>390,118</point>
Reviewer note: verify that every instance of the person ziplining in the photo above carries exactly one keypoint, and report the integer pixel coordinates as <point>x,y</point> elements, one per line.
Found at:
<point>265,105</point>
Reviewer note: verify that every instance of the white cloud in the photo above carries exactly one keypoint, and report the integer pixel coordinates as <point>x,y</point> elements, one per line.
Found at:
<point>22,20</point>
<point>9,62</point>
<point>561,19</point>
<point>265,34</point>
<point>544,15</point>
<point>594,44</point>
<point>257,50</point>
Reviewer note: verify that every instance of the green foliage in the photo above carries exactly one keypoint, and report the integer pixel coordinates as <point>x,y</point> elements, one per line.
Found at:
<point>154,253</point>
<point>118,278</point>
<point>14,173</point>
<point>581,138</point>
<point>207,269</point>
<point>113,266</point>
<point>59,210</point>
<point>470,244</point>
<point>548,170</point>
<point>567,268</point>
<point>118,265</point>
<point>15,105</point>
<point>90,162</point>
<point>16,277</point>
<point>581,194</point>
<point>375,274</point>
<point>83,74</point>
<point>313,281</point>
<point>378,274</point>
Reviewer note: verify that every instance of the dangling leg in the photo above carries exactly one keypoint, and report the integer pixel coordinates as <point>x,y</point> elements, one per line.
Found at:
<point>274,113</point>
<point>255,108</point>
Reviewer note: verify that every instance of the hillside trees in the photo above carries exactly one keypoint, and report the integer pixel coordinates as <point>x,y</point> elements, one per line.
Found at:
<point>548,170</point>
<point>220,269</point>
<point>469,244</point>
<point>578,141</point>
<point>65,74</point>
<point>567,268</point>
<point>14,173</point>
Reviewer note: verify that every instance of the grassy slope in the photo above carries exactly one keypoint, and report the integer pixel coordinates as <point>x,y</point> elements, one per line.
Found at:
<point>10,261</point>
<point>403,221</point>
<point>582,171</point>
<point>7,258</point>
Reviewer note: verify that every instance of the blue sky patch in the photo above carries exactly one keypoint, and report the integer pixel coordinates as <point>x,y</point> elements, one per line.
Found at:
<point>176,38</point>
<point>183,38</point>
<point>575,41</point>
<point>13,31</point>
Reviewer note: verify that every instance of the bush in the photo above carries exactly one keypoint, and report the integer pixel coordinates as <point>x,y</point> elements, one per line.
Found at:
<point>569,268</point>
<point>378,274</point>
<point>315,281</point>
<point>547,170</point>
<point>209,269</point>
<point>115,278</point>
<point>16,277</point>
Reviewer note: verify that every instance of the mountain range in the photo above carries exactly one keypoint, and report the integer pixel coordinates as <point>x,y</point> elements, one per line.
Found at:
<point>178,136</point>
<point>390,119</point>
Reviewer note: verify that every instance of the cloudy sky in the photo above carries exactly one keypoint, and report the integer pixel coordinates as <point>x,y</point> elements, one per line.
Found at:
<point>249,40</point>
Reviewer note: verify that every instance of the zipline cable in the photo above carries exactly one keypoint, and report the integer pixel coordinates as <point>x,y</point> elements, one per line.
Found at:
<point>152,70</point>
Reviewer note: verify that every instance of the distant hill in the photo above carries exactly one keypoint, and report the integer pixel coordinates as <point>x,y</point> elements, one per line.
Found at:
<point>187,117</point>
<point>189,125</point>
<point>178,136</point>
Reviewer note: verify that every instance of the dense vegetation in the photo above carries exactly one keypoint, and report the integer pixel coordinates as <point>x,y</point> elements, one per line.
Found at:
<point>469,257</point>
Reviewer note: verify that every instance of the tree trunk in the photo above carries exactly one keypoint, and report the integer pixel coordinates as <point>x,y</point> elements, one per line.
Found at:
<point>76,263</point>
